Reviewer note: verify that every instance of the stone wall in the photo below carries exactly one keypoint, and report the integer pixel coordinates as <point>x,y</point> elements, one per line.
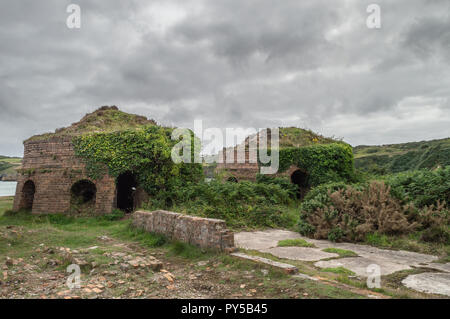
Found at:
<point>53,168</point>
<point>201,232</point>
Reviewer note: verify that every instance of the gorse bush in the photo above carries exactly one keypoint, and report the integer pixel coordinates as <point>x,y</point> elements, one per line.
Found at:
<point>353,212</point>
<point>350,213</point>
<point>243,204</point>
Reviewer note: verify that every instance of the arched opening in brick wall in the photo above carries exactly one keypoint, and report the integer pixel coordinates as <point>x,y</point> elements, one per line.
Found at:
<point>300,178</point>
<point>126,191</point>
<point>82,196</point>
<point>232,179</point>
<point>28,191</point>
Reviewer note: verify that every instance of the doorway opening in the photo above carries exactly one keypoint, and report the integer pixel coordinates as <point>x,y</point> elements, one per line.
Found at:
<point>126,190</point>
<point>28,191</point>
<point>82,196</point>
<point>232,179</point>
<point>300,179</point>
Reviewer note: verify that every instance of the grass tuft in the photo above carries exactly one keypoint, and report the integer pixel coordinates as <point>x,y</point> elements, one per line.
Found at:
<point>341,252</point>
<point>298,242</point>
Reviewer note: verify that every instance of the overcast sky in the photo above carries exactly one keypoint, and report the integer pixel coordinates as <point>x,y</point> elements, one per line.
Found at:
<point>231,63</point>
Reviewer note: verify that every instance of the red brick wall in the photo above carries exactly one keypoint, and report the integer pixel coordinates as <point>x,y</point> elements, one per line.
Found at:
<point>53,167</point>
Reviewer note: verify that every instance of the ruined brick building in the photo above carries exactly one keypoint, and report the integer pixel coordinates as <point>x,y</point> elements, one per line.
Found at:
<point>54,180</point>
<point>240,162</point>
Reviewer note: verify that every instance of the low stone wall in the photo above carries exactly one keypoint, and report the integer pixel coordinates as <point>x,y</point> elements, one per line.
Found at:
<point>201,232</point>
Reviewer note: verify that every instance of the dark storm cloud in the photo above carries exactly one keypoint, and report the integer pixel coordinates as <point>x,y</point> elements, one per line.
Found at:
<point>252,63</point>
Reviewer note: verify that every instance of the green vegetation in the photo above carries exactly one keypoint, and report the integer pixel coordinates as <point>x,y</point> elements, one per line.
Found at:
<point>241,205</point>
<point>146,152</point>
<point>395,158</point>
<point>8,165</point>
<point>294,243</point>
<point>5,204</point>
<point>421,187</point>
<point>298,137</point>
<point>323,163</point>
<point>339,270</point>
<point>403,211</point>
<point>341,252</point>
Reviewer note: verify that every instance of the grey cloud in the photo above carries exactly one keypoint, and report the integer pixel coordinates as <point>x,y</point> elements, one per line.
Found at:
<point>231,63</point>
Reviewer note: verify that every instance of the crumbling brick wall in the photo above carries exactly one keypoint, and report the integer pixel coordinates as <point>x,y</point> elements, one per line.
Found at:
<point>201,232</point>
<point>52,166</point>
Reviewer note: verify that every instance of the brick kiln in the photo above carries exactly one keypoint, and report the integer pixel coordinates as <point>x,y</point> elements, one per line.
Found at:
<point>53,180</point>
<point>240,163</point>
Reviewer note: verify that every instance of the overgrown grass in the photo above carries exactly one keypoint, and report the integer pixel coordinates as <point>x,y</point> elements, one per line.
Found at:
<point>5,204</point>
<point>339,270</point>
<point>298,242</point>
<point>241,205</point>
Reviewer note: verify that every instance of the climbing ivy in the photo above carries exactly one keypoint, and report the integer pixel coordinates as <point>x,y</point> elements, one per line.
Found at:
<point>323,162</point>
<point>146,152</point>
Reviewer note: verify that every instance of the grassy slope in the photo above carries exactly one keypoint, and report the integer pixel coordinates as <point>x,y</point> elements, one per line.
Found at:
<point>8,165</point>
<point>400,157</point>
<point>298,137</point>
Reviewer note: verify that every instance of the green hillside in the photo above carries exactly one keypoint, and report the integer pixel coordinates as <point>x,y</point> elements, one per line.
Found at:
<point>393,158</point>
<point>8,166</point>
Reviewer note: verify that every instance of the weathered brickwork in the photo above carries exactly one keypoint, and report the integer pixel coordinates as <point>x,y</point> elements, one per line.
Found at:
<point>53,168</point>
<point>247,169</point>
<point>201,232</point>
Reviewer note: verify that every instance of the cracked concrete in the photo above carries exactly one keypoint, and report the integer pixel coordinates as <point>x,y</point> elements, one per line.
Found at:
<point>390,261</point>
<point>435,283</point>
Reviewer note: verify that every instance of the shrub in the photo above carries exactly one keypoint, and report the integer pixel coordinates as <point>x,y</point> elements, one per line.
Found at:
<point>283,182</point>
<point>243,204</point>
<point>116,214</point>
<point>338,212</point>
<point>435,221</point>
<point>422,187</point>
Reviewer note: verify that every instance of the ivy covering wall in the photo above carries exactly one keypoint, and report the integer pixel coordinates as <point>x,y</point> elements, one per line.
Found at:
<point>323,162</point>
<point>144,151</point>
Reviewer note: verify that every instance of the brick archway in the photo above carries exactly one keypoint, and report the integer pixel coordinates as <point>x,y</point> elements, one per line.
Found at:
<point>27,195</point>
<point>232,179</point>
<point>83,195</point>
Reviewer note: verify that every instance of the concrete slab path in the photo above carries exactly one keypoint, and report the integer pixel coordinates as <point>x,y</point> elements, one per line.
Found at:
<point>389,261</point>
